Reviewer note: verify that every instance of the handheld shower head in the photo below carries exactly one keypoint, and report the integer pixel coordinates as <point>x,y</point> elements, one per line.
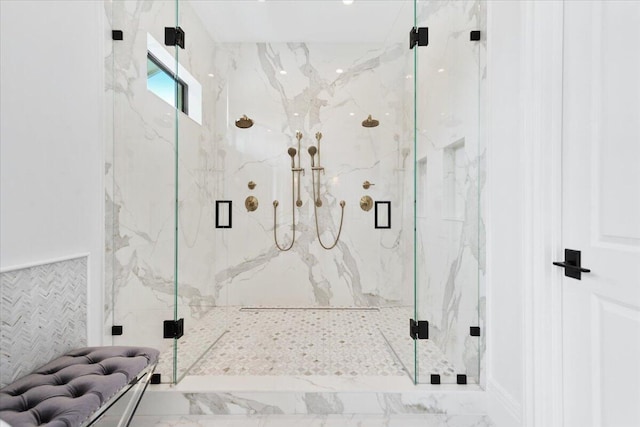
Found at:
<point>292,153</point>
<point>312,152</point>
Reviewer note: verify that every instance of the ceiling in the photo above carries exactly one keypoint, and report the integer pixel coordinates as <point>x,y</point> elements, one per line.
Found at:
<point>324,21</point>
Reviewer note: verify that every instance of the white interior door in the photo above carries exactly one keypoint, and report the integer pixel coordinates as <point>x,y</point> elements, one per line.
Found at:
<point>601,213</point>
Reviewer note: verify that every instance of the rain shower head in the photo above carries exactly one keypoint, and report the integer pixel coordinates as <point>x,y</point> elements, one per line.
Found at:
<point>244,122</point>
<point>370,122</point>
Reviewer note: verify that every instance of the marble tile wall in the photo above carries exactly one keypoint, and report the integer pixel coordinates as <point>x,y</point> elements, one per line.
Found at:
<point>368,267</point>
<point>43,315</point>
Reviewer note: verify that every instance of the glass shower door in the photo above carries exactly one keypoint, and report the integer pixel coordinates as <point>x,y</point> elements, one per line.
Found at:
<point>140,179</point>
<point>449,178</point>
<point>206,213</point>
<point>230,272</point>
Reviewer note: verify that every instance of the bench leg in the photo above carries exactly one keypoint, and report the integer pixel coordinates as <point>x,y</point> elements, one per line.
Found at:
<point>138,391</point>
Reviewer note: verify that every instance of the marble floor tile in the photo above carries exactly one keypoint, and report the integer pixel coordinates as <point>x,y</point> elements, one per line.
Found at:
<point>304,342</point>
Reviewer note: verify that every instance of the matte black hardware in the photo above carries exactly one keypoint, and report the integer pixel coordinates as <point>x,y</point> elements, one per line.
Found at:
<point>435,379</point>
<point>418,36</point>
<point>117,35</point>
<point>419,330</point>
<point>571,264</point>
<point>474,36</point>
<point>225,205</point>
<point>173,328</point>
<point>116,330</point>
<point>156,378</point>
<point>461,379</point>
<point>386,223</point>
<point>174,36</point>
<point>474,331</point>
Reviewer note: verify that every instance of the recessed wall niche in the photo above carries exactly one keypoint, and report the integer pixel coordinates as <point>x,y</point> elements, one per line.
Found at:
<point>454,170</point>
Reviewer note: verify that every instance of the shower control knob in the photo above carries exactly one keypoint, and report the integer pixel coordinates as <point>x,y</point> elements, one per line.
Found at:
<point>275,203</point>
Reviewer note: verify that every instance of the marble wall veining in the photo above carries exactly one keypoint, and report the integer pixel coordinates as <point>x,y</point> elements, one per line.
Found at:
<point>368,267</point>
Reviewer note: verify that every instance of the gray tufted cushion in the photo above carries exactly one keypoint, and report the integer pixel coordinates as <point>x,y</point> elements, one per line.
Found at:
<point>66,391</point>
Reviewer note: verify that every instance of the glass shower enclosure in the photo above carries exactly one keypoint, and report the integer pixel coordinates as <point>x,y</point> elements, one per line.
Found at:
<point>289,183</point>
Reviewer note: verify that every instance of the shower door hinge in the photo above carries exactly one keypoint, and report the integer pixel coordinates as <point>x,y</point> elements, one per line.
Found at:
<point>174,36</point>
<point>173,328</point>
<point>418,36</point>
<point>419,330</point>
<point>117,35</point>
<point>116,330</point>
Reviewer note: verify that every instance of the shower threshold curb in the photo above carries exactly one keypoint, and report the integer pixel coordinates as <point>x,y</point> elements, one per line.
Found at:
<point>216,395</point>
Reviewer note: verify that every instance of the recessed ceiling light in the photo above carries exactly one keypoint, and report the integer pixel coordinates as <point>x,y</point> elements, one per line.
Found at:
<point>441,70</point>
<point>347,2</point>
<point>339,71</point>
<point>210,75</point>
<point>352,114</point>
<point>283,72</point>
<point>387,114</point>
<point>296,114</point>
<point>408,76</point>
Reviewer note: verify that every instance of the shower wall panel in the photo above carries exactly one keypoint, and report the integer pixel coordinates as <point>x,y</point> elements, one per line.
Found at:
<point>293,87</point>
<point>450,182</point>
<point>141,183</point>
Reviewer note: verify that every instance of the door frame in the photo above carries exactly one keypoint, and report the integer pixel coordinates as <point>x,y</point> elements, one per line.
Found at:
<point>541,204</point>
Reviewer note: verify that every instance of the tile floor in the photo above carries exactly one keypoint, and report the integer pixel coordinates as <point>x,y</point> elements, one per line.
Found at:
<point>301,342</point>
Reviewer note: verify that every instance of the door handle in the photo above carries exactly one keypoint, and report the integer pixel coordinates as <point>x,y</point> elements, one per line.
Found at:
<point>571,264</point>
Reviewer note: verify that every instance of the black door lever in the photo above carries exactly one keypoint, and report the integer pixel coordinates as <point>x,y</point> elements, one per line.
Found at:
<point>571,264</point>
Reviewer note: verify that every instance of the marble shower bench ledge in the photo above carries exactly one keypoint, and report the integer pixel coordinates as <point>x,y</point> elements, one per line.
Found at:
<point>308,395</point>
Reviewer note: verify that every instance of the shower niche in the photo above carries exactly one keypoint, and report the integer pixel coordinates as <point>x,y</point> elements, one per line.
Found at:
<point>306,282</point>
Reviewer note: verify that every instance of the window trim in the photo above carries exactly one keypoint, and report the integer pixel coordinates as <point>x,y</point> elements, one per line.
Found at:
<point>168,59</point>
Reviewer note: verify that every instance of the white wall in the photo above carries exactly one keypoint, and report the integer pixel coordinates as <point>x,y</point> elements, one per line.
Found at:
<point>52,138</point>
<point>505,366</point>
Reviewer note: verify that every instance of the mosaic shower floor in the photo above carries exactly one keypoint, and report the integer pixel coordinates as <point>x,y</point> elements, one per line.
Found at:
<point>302,342</point>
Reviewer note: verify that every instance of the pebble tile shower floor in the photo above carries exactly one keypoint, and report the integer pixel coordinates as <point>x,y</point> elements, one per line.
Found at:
<point>301,342</point>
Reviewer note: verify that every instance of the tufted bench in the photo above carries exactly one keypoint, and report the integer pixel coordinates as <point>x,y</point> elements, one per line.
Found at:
<point>75,389</point>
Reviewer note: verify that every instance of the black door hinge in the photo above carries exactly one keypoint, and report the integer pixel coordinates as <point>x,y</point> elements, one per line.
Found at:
<point>174,328</point>
<point>174,36</point>
<point>419,330</point>
<point>117,35</point>
<point>475,35</point>
<point>116,330</point>
<point>418,36</point>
